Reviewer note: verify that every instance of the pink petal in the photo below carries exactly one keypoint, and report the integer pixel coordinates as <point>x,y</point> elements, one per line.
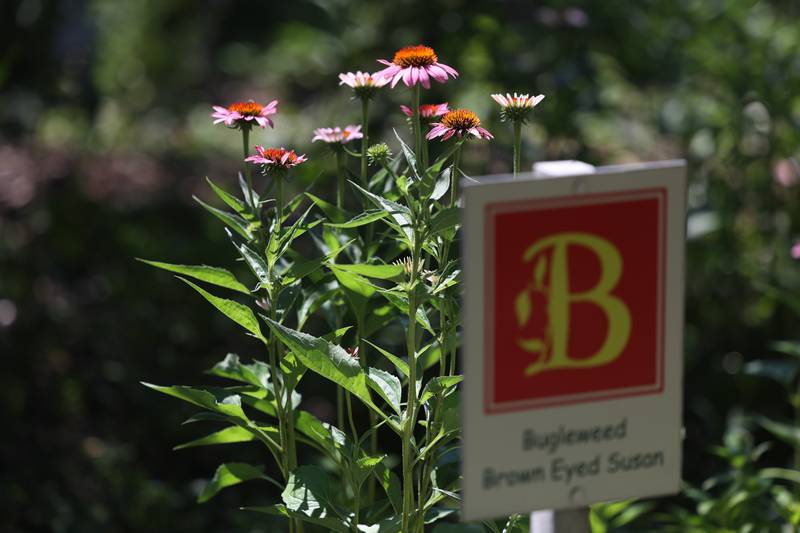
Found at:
<point>406,110</point>
<point>446,68</point>
<point>437,73</point>
<point>397,77</point>
<point>407,76</point>
<point>423,78</point>
<point>449,134</point>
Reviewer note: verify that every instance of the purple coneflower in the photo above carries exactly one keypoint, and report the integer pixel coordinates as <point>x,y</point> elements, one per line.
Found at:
<point>363,84</point>
<point>415,64</point>
<point>426,111</point>
<point>516,109</point>
<point>276,158</point>
<point>337,135</point>
<point>242,114</point>
<point>458,122</point>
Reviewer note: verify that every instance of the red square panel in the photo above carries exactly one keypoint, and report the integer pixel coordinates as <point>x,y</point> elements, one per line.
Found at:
<point>574,293</point>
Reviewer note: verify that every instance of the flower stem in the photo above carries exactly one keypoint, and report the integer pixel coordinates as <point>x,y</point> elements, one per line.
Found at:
<point>417,129</point>
<point>364,140</point>
<point>454,176</point>
<point>278,202</point>
<point>247,172</point>
<point>340,168</point>
<point>517,146</point>
<point>411,409</point>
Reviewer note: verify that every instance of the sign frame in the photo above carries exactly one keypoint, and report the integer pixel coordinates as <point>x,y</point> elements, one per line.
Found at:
<point>493,449</point>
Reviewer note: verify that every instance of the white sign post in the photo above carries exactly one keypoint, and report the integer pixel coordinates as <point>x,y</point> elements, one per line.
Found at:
<point>573,338</point>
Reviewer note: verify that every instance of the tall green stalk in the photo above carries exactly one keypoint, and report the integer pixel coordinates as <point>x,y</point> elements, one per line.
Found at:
<point>417,126</point>
<point>411,403</point>
<point>247,172</point>
<point>340,171</point>
<point>517,146</point>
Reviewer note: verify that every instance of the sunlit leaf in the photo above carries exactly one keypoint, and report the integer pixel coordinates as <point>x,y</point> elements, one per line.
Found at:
<point>214,275</point>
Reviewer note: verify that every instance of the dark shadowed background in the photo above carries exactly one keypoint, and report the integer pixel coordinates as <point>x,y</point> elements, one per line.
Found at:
<point>105,135</point>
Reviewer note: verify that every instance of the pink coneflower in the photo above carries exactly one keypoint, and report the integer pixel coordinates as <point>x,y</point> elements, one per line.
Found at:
<point>363,84</point>
<point>416,64</point>
<point>426,111</point>
<point>516,107</point>
<point>337,135</point>
<point>458,122</point>
<point>796,250</point>
<point>276,158</point>
<point>242,114</point>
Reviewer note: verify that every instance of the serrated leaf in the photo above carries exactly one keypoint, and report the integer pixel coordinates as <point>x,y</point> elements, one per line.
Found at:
<point>233,202</point>
<point>214,275</point>
<point>239,313</point>
<point>330,523</point>
<point>373,271</point>
<point>255,373</point>
<point>258,266</point>
<point>442,185</point>
<point>387,386</point>
<point>229,474</point>
<point>408,153</point>
<point>391,484</point>
<point>326,359</point>
<point>229,405</point>
<point>235,222</point>
<point>228,435</point>
<point>437,385</point>
<point>362,219</point>
<point>444,219</point>
<point>309,491</point>
<point>333,213</point>
<point>400,214</point>
<point>400,364</point>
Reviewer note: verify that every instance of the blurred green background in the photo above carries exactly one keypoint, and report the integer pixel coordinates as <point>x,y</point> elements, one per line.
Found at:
<point>105,135</point>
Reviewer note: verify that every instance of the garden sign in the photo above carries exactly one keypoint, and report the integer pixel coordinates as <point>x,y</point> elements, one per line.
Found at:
<point>573,338</point>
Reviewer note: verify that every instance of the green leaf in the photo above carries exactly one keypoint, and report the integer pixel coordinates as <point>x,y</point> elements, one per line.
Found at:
<point>391,485</point>
<point>442,185</point>
<point>387,386</point>
<point>447,218</point>
<point>241,314</point>
<point>781,370</point>
<point>235,222</point>
<point>224,436</point>
<point>401,365</point>
<point>256,373</point>
<point>233,202</point>
<point>787,347</point>
<point>362,219</point>
<point>230,405</point>
<point>309,491</point>
<point>214,275</point>
<point>338,216</point>
<point>401,215</point>
<point>229,474</point>
<point>258,266</point>
<point>438,385</point>
<point>373,271</point>
<point>326,359</point>
<point>411,159</point>
<point>789,433</point>
<point>329,523</point>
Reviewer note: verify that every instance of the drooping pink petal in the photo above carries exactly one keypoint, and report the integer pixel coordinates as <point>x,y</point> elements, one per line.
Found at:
<point>437,73</point>
<point>397,77</point>
<point>407,77</point>
<point>449,134</point>
<point>423,78</point>
<point>407,111</point>
<point>448,69</point>
<point>796,250</point>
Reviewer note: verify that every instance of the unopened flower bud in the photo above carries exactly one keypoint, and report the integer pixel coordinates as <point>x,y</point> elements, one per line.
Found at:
<point>379,154</point>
